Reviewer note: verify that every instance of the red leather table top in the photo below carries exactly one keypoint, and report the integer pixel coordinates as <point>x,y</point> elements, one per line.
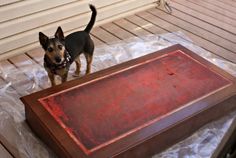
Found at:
<point>97,113</point>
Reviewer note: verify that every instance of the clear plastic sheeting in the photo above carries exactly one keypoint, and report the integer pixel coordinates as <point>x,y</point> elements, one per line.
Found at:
<point>30,77</point>
<point>202,143</point>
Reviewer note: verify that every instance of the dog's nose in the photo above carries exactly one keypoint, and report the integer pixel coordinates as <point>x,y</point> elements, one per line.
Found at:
<point>58,59</point>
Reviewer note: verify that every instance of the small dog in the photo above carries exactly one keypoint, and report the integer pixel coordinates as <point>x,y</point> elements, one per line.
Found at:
<point>61,52</point>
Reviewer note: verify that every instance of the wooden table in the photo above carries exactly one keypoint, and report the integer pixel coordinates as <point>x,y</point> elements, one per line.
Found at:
<point>134,109</point>
<point>227,147</point>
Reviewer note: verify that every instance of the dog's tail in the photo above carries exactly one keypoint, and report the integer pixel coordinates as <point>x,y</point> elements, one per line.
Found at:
<point>92,20</point>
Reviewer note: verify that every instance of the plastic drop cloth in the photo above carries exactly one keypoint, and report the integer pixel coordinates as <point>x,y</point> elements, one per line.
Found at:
<point>30,77</point>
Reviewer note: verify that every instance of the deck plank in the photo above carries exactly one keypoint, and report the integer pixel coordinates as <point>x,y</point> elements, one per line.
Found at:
<point>229,2</point>
<point>132,28</point>
<point>21,60</point>
<point>217,50</point>
<point>96,41</point>
<point>230,46</point>
<point>104,36</point>
<point>36,55</point>
<point>117,31</point>
<point>204,25</point>
<point>222,5</point>
<point>214,8</point>
<point>207,12</point>
<point>231,29</point>
<point>4,153</point>
<point>144,24</point>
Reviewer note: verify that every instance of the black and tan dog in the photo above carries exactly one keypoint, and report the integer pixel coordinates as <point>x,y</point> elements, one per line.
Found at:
<point>61,52</point>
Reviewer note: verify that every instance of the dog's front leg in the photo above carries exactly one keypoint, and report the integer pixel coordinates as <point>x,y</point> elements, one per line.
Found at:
<point>64,77</point>
<point>52,78</point>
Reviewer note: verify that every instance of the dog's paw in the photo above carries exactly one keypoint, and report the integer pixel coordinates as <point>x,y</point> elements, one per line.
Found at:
<point>88,71</point>
<point>76,74</point>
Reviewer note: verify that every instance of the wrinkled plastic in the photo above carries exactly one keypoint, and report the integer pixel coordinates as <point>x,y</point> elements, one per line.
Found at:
<point>31,77</point>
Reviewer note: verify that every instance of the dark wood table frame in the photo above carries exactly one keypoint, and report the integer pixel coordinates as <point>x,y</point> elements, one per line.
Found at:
<point>227,147</point>
<point>146,141</point>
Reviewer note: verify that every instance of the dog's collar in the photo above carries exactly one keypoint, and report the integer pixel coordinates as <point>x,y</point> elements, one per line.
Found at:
<point>67,60</point>
<point>53,67</point>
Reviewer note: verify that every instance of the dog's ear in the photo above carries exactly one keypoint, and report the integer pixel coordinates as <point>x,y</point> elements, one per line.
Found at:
<point>59,34</point>
<point>43,39</point>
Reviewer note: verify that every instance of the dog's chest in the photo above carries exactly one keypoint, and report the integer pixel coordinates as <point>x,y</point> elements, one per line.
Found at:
<point>61,71</point>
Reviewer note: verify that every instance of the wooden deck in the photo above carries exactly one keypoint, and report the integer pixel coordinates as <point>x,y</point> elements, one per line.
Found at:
<point>210,24</point>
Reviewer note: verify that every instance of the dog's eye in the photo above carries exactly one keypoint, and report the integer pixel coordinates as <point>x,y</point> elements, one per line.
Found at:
<point>50,49</point>
<point>60,47</point>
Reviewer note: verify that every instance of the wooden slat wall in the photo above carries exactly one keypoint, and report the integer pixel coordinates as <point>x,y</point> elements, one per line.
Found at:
<point>7,2</point>
<point>20,21</point>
